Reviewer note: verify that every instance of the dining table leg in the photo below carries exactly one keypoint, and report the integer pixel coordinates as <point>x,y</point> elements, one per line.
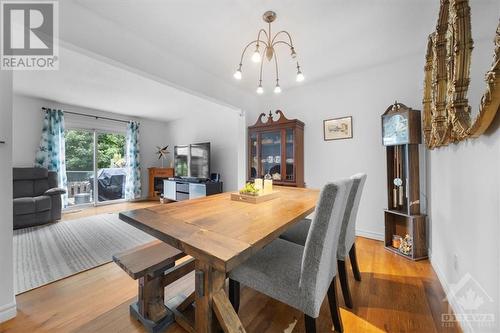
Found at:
<point>214,312</point>
<point>208,281</point>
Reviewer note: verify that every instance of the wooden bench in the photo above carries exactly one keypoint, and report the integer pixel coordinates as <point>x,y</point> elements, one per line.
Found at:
<point>153,264</point>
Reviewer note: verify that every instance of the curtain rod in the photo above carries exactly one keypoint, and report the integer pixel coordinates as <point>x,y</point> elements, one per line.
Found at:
<point>91,116</point>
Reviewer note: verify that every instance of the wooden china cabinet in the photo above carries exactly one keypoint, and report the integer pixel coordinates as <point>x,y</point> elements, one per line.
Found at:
<point>276,147</point>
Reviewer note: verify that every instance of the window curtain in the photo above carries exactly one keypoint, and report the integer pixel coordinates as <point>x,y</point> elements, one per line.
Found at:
<point>51,151</point>
<point>133,180</point>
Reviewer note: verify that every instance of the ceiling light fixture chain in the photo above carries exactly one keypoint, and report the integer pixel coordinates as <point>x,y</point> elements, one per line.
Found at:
<point>269,52</point>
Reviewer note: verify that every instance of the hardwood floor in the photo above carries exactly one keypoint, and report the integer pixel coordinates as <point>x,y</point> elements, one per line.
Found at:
<point>395,295</point>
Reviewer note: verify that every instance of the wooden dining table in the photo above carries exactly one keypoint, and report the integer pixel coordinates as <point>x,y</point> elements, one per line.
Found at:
<point>221,234</point>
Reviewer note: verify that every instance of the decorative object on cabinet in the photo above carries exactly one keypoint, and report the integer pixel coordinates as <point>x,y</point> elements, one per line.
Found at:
<point>162,153</point>
<point>276,148</point>
<point>396,241</point>
<point>406,245</point>
<point>405,226</point>
<point>446,111</point>
<point>337,128</point>
<point>156,177</point>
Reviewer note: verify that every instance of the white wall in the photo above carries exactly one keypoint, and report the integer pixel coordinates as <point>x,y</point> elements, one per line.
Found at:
<point>27,125</point>
<point>364,95</point>
<point>464,185</point>
<point>464,215</point>
<point>224,128</point>
<point>7,300</point>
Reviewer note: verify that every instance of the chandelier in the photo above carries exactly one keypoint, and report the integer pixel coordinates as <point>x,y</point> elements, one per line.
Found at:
<point>267,47</point>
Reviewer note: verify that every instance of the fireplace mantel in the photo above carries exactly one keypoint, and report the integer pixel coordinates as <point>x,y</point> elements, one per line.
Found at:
<point>156,177</point>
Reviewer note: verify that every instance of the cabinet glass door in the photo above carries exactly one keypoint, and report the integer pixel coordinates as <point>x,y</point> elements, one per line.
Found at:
<point>290,155</point>
<point>271,154</point>
<point>254,159</point>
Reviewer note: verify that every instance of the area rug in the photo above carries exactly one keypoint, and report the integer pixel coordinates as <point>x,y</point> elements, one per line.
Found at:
<point>51,252</point>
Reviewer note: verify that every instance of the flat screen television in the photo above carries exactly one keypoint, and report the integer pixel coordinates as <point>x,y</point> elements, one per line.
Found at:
<point>192,160</point>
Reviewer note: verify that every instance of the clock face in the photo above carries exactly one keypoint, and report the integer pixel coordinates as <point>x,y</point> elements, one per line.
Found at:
<point>395,129</point>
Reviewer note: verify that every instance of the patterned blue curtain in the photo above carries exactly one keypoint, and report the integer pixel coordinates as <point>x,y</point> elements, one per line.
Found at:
<point>133,180</point>
<point>51,153</point>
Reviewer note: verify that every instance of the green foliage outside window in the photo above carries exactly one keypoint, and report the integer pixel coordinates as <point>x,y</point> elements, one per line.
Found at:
<point>111,148</point>
<point>80,150</point>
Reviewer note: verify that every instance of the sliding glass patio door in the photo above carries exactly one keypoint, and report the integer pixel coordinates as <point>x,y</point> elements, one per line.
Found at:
<point>111,173</point>
<point>95,166</point>
<point>80,166</point>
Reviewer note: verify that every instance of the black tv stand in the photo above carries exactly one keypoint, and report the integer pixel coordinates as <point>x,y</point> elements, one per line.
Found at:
<point>190,179</point>
<point>179,189</point>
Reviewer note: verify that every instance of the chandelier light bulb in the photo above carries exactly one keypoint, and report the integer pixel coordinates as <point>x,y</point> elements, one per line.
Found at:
<point>237,74</point>
<point>293,54</point>
<point>260,90</point>
<point>256,55</point>
<point>277,89</point>
<point>300,76</point>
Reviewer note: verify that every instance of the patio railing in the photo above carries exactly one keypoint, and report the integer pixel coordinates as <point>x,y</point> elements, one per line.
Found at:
<point>80,185</point>
<point>79,182</point>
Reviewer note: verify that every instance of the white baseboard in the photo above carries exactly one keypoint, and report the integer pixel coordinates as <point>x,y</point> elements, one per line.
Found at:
<point>370,234</point>
<point>465,326</point>
<point>8,311</point>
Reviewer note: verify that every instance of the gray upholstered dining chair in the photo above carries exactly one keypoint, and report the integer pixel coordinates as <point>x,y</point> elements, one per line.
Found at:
<point>301,276</point>
<point>298,234</point>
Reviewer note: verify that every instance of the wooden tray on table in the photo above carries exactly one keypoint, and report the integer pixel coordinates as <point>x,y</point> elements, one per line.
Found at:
<point>254,199</point>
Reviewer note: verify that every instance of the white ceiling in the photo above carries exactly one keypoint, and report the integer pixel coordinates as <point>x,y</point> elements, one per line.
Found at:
<point>331,37</point>
<point>85,81</point>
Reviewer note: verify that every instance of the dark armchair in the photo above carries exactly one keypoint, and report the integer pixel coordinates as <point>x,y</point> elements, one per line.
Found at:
<point>37,199</point>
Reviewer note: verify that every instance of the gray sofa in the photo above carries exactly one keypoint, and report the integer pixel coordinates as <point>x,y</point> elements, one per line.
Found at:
<point>37,199</point>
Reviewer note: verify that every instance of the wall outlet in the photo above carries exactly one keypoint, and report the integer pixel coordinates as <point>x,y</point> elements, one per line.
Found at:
<point>455,262</point>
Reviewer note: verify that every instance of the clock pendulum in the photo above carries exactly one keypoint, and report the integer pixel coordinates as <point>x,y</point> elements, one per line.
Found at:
<point>398,191</point>
<point>400,175</point>
<point>395,189</point>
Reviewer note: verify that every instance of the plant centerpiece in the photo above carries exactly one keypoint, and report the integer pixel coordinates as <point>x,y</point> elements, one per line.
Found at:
<point>250,189</point>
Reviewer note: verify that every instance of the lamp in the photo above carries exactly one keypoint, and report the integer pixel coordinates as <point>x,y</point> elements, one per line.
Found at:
<point>270,43</point>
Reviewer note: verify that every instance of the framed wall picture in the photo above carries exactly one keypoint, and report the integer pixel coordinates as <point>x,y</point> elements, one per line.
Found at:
<point>337,128</point>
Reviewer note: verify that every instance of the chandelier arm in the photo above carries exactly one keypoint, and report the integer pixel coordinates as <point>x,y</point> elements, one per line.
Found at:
<point>260,77</point>
<point>283,32</point>
<point>265,32</point>
<point>248,45</point>
<point>276,64</point>
<point>281,42</point>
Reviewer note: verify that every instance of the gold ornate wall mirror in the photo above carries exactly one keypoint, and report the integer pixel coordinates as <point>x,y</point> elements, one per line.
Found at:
<point>448,116</point>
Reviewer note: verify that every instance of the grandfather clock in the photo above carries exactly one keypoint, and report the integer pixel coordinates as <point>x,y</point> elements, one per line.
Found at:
<point>405,226</point>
